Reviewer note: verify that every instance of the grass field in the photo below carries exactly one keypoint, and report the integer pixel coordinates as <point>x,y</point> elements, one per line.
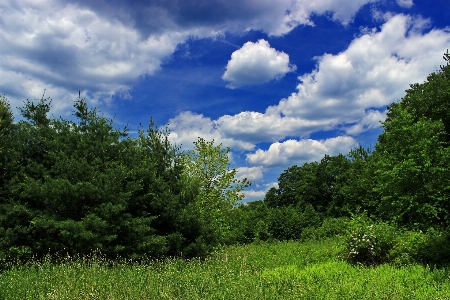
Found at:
<point>290,270</point>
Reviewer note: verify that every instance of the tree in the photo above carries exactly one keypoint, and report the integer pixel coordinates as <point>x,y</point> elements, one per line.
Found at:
<point>330,169</point>
<point>208,167</point>
<point>6,127</point>
<point>73,186</point>
<point>297,186</point>
<point>311,184</point>
<point>413,155</point>
<point>271,197</point>
<point>354,188</point>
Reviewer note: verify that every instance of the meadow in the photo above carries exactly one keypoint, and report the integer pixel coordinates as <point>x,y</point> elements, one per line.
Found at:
<point>276,270</point>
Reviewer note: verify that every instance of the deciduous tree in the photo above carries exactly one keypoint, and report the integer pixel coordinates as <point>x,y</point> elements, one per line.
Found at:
<point>208,166</point>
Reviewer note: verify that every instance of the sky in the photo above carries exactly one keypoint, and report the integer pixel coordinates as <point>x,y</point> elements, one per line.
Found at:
<point>280,82</point>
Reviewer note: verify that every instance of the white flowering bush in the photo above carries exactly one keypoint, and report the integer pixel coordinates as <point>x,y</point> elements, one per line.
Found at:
<point>370,244</point>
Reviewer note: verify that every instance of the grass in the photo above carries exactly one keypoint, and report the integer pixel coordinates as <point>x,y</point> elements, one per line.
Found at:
<point>288,270</point>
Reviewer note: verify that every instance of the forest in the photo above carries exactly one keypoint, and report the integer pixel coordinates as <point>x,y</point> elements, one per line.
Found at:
<point>80,185</point>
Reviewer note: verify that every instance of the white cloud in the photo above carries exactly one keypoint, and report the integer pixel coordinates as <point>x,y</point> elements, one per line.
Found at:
<point>256,63</point>
<point>342,91</point>
<point>371,120</point>
<point>374,71</point>
<point>271,185</point>
<point>252,195</point>
<point>242,131</point>
<point>251,173</point>
<point>341,11</point>
<point>187,126</point>
<point>258,127</point>
<point>103,46</point>
<point>63,48</point>
<point>405,3</point>
<point>260,192</point>
<point>293,152</point>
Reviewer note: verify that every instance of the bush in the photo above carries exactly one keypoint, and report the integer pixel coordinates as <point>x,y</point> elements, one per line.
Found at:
<point>407,248</point>
<point>435,251</point>
<point>416,247</point>
<point>370,244</point>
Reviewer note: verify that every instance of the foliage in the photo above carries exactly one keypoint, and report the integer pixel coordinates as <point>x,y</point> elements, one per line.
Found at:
<point>210,165</point>
<point>250,222</point>
<point>330,227</point>
<point>413,154</point>
<point>421,247</point>
<point>256,221</point>
<point>72,186</point>
<point>218,191</point>
<point>285,223</point>
<point>6,126</point>
<point>296,186</point>
<point>370,244</point>
<point>336,187</point>
<point>354,188</point>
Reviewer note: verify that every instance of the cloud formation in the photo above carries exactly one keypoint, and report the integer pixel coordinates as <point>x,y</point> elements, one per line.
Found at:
<point>104,46</point>
<point>208,17</point>
<point>345,88</point>
<point>251,173</point>
<point>374,71</point>
<point>187,126</point>
<point>296,152</point>
<point>346,91</point>
<point>256,63</point>
<point>371,120</point>
<point>62,48</point>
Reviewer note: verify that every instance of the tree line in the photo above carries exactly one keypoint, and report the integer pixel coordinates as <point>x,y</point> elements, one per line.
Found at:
<point>404,180</point>
<point>73,186</point>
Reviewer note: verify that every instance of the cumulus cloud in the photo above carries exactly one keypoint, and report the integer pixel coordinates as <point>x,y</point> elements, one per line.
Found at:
<point>256,63</point>
<point>186,127</point>
<point>374,71</point>
<point>293,152</point>
<point>104,46</point>
<point>257,127</point>
<point>251,195</point>
<point>344,89</point>
<point>251,173</point>
<point>60,48</point>
<point>348,91</point>
<point>341,11</point>
<point>259,194</point>
<point>241,131</point>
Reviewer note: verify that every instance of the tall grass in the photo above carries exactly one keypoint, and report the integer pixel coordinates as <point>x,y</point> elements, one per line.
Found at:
<point>289,270</point>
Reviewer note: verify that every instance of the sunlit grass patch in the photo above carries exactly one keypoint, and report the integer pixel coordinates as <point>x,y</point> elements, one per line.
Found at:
<point>284,270</point>
<point>339,280</point>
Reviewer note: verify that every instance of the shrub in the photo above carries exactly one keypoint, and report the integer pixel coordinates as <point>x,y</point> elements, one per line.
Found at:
<point>407,248</point>
<point>370,244</point>
<point>429,248</point>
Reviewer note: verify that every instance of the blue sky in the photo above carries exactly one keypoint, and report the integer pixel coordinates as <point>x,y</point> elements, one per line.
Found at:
<point>280,82</point>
